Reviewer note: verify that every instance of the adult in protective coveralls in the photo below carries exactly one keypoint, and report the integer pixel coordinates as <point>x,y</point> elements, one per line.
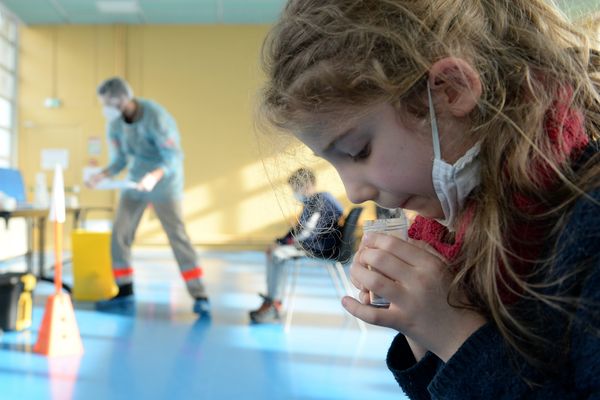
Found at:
<point>144,138</point>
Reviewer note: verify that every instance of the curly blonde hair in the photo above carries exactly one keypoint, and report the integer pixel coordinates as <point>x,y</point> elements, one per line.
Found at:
<point>327,60</point>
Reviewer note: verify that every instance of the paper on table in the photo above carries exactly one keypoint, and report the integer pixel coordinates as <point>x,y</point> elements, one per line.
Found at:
<point>109,184</point>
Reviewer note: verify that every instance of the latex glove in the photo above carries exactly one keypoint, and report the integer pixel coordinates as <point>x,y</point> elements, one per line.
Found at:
<point>415,279</point>
<point>93,180</point>
<point>148,182</point>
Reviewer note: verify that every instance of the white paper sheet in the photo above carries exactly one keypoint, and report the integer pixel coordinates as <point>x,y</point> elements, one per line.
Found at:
<point>109,184</point>
<point>88,172</point>
<point>52,157</point>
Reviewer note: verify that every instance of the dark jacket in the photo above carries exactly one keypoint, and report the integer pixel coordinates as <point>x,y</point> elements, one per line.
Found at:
<point>485,367</point>
<point>324,239</point>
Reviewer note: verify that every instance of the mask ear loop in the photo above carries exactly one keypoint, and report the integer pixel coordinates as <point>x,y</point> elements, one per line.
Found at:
<point>434,128</point>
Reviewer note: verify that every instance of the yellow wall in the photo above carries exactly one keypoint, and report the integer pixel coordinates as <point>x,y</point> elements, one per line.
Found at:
<point>206,76</point>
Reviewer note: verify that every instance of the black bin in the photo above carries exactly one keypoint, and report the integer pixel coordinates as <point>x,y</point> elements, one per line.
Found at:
<point>11,287</point>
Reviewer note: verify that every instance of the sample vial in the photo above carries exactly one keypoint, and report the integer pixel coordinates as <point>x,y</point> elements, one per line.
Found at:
<point>397,227</point>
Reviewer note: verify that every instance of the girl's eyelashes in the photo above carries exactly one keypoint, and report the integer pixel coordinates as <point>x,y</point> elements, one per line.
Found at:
<point>362,154</point>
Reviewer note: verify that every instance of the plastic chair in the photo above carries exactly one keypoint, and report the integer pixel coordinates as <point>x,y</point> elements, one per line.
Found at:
<point>335,267</point>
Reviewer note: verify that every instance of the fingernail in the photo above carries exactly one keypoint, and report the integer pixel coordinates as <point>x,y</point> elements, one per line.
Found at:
<point>345,301</point>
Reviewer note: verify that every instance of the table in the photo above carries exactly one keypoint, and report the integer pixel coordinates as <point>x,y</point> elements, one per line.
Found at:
<point>36,219</point>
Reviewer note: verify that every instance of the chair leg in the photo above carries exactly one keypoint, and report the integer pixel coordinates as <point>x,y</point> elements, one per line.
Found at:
<point>349,292</point>
<point>291,296</point>
<point>336,280</point>
<point>287,279</point>
<point>344,279</point>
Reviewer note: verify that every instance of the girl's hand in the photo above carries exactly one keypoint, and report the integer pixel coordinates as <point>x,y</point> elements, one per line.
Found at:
<point>415,279</point>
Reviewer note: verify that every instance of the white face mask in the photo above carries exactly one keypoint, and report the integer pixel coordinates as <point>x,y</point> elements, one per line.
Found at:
<point>452,183</point>
<point>111,113</point>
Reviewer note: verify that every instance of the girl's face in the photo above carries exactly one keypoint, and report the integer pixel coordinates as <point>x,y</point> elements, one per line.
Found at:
<point>385,157</point>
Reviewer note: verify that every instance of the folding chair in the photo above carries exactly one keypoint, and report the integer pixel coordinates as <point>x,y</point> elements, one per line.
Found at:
<point>335,267</point>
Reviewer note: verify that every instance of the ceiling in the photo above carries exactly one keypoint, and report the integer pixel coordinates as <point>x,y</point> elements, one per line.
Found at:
<point>33,12</point>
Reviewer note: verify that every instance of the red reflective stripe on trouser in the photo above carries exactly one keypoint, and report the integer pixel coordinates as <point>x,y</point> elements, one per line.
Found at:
<point>121,272</point>
<point>195,273</point>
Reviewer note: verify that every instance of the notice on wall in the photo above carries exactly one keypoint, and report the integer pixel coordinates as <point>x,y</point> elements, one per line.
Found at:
<point>51,157</point>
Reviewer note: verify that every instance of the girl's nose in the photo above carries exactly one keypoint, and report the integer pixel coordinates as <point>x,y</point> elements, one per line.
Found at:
<point>358,190</point>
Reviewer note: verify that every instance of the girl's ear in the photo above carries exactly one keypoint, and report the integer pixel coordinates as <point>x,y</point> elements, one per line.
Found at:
<point>456,85</point>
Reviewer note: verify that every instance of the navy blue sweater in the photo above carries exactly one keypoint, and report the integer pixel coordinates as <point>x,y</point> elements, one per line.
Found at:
<point>324,239</point>
<point>484,367</point>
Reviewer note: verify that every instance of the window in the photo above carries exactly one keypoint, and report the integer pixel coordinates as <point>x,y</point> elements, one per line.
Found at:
<point>8,63</point>
<point>7,84</point>
<point>5,145</point>
<point>5,113</point>
<point>7,54</point>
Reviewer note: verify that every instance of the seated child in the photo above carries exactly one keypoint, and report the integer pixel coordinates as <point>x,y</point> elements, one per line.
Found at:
<point>317,234</point>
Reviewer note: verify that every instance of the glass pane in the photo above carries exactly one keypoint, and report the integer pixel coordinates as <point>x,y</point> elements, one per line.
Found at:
<point>4,162</point>
<point>7,84</point>
<point>8,27</point>
<point>5,143</point>
<point>12,30</point>
<point>5,113</point>
<point>7,54</point>
<point>11,60</point>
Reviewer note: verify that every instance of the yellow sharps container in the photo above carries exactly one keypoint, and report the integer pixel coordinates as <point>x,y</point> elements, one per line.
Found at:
<point>92,273</point>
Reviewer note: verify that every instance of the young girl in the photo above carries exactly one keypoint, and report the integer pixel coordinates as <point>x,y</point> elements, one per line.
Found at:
<point>483,117</point>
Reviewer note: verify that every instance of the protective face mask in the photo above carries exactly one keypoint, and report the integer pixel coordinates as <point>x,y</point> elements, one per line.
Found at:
<point>452,183</point>
<point>111,113</point>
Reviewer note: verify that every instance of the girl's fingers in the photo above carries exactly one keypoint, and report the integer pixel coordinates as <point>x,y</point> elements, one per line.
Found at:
<point>386,264</point>
<point>372,280</point>
<point>369,314</point>
<point>364,297</point>
<point>356,264</point>
<point>412,252</point>
<point>355,283</point>
<point>425,246</point>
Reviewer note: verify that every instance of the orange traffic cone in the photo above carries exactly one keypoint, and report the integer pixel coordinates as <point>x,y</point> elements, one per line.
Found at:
<point>59,334</point>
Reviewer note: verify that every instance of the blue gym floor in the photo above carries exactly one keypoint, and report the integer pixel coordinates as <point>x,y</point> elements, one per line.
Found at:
<point>158,349</point>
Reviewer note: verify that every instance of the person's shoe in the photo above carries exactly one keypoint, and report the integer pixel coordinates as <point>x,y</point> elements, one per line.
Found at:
<point>123,299</point>
<point>201,306</point>
<point>267,312</point>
